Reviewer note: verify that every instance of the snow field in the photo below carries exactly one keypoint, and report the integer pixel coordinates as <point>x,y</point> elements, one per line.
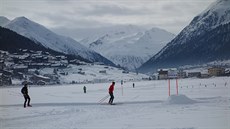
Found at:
<point>147,106</point>
<point>92,74</point>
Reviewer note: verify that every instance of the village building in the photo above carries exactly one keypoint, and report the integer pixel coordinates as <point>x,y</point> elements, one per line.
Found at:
<point>204,75</point>
<point>40,59</point>
<point>18,75</point>
<point>7,72</point>
<point>39,65</point>
<point>61,57</point>
<point>1,79</point>
<point>76,62</point>
<point>38,78</point>
<point>181,74</point>
<point>169,73</point>
<point>216,71</point>
<point>20,68</point>
<point>194,74</point>
<point>102,71</point>
<point>100,80</point>
<point>227,72</point>
<point>125,71</point>
<point>80,72</point>
<point>5,79</point>
<point>53,77</point>
<point>162,74</point>
<point>59,65</point>
<point>2,65</point>
<point>172,73</point>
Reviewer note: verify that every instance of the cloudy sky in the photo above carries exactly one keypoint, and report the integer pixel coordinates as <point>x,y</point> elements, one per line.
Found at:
<point>69,16</point>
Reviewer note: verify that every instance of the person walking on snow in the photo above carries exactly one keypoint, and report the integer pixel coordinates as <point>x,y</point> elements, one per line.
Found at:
<point>111,89</point>
<point>24,91</point>
<point>84,88</point>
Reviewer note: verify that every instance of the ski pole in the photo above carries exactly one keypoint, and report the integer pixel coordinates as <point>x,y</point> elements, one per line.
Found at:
<point>103,99</point>
<point>15,93</point>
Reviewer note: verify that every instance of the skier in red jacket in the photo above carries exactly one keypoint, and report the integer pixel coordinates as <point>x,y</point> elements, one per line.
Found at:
<point>111,89</point>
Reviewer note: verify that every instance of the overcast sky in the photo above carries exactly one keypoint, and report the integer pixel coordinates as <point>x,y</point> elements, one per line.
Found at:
<point>171,15</point>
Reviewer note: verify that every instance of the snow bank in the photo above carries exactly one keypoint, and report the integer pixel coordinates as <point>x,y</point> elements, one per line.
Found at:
<point>179,99</point>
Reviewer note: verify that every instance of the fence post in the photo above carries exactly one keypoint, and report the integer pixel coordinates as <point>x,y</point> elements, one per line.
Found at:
<point>169,86</point>
<point>176,86</point>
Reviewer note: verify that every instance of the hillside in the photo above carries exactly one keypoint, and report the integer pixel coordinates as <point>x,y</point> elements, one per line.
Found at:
<point>43,36</point>
<point>12,42</point>
<point>129,46</point>
<point>204,40</point>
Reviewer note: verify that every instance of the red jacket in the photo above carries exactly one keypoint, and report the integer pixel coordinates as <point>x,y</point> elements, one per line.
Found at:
<point>111,88</point>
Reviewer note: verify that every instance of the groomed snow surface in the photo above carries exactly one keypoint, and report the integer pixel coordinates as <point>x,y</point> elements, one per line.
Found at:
<point>201,104</point>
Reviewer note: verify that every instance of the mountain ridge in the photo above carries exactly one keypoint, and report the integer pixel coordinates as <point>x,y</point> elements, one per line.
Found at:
<point>51,40</point>
<point>131,48</point>
<point>174,53</point>
<point>13,42</point>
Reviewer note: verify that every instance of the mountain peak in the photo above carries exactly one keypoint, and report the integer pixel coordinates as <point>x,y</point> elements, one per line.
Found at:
<point>3,20</point>
<point>205,39</point>
<point>219,3</point>
<point>21,18</point>
<point>51,40</point>
<point>218,11</point>
<point>155,29</point>
<point>129,46</point>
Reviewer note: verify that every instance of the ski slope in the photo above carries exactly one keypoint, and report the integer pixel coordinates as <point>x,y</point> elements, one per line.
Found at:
<point>201,104</point>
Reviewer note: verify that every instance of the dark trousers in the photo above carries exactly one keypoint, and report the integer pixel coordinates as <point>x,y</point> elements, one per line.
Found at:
<point>111,98</point>
<point>27,97</point>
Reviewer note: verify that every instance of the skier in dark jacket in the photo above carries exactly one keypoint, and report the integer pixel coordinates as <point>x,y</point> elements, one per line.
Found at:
<point>111,89</point>
<point>26,96</point>
<point>84,88</point>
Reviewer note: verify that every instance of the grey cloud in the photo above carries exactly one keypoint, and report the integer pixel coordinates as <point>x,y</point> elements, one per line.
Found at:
<point>99,10</point>
<point>70,21</point>
<point>171,15</point>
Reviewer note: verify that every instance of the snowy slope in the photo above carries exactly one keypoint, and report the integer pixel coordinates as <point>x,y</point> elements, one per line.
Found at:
<point>130,46</point>
<point>218,13</point>
<point>91,74</point>
<point>205,39</point>
<point>147,106</point>
<point>47,38</point>
<point>90,35</point>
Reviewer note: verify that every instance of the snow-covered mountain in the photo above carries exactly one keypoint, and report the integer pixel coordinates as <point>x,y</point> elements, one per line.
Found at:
<point>13,42</point>
<point>87,36</point>
<point>49,39</point>
<point>129,46</point>
<point>205,39</point>
<point>3,21</point>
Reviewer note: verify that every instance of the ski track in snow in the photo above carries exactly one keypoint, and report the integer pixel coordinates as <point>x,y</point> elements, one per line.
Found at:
<point>144,106</point>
